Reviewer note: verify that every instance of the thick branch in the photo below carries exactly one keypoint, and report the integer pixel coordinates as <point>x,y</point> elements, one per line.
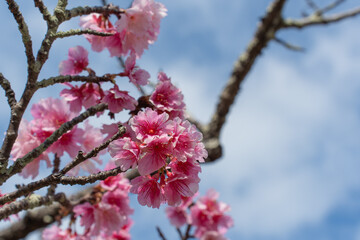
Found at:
<point>9,92</point>
<point>316,19</point>
<point>265,32</point>
<point>63,79</point>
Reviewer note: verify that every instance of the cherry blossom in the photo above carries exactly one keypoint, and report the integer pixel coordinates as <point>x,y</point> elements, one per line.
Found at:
<point>140,25</point>
<point>99,23</point>
<point>56,233</point>
<point>77,61</point>
<point>209,215</point>
<point>86,95</point>
<point>136,75</point>
<point>26,142</point>
<point>49,114</point>
<point>118,100</point>
<point>168,98</point>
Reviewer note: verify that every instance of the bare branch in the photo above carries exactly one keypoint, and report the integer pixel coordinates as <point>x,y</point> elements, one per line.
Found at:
<point>162,236</point>
<point>312,5</point>
<point>314,19</point>
<point>80,11</point>
<point>289,45</point>
<point>75,32</point>
<point>24,30</point>
<point>9,92</point>
<point>43,10</point>
<point>330,7</point>
<point>63,79</point>
<point>51,189</point>
<point>91,178</point>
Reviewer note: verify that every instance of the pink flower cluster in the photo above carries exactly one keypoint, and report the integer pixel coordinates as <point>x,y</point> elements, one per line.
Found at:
<point>108,218</point>
<point>166,152</point>
<point>49,114</point>
<point>133,32</point>
<point>206,214</point>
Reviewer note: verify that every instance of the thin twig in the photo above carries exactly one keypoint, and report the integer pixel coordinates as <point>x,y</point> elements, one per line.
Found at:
<point>52,187</point>
<point>63,79</point>
<point>314,20</point>
<point>160,233</point>
<point>75,32</point>
<point>81,158</point>
<point>289,45</point>
<point>80,11</point>
<point>330,7</point>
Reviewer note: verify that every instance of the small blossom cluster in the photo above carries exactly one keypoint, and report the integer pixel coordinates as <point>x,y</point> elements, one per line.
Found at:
<point>90,94</point>
<point>107,217</point>
<point>49,114</point>
<point>138,27</point>
<point>206,214</point>
<point>166,149</point>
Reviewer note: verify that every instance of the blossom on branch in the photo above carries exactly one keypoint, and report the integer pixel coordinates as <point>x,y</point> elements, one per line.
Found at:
<point>140,25</point>
<point>77,61</point>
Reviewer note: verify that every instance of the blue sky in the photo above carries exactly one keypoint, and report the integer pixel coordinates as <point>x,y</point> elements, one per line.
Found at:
<point>291,143</point>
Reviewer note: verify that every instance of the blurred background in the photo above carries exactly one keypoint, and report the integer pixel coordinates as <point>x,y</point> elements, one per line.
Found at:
<point>290,168</point>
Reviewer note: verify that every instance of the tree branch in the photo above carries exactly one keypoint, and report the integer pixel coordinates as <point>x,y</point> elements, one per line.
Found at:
<point>43,10</point>
<point>75,32</point>
<point>80,11</point>
<point>9,92</point>
<point>63,79</point>
<point>265,32</point>
<point>316,19</point>
<point>24,30</point>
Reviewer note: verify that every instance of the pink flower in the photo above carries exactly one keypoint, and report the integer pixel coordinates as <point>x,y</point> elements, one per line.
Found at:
<point>118,182</point>
<point>56,233</point>
<point>49,114</point>
<point>212,235</point>
<point>77,61</point>
<point>26,142</point>
<point>209,215</point>
<point>99,23</point>
<point>86,95</point>
<point>92,138</point>
<point>125,153</point>
<point>140,25</point>
<point>148,190</point>
<point>136,75</point>
<point>149,123</point>
<point>118,100</point>
<point>168,98</point>
<point>178,186</point>
<point>178,215</point>
<point>86,211</point>
<point>155,152</point>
